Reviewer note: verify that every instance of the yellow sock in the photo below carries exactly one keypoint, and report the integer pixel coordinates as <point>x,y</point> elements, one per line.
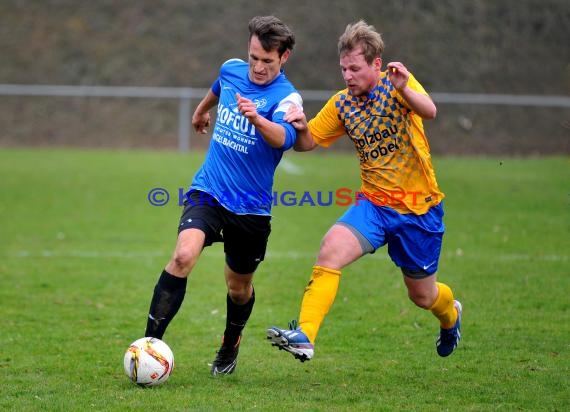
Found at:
<point>443,307</point>
<point>317,300</point>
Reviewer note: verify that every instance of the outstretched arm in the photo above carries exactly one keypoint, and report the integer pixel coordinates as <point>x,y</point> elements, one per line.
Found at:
<point>421,104</point>
<point>298,120</point>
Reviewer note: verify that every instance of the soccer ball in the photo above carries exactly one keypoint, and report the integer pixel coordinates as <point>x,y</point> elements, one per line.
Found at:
<point>148,361</point>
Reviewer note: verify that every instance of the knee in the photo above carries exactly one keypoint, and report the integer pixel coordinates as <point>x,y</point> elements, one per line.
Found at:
<point>240,293</point>
<point>182,262</point>
<point>421,299</point>
<point>339,247</point>
<point>328,255</point>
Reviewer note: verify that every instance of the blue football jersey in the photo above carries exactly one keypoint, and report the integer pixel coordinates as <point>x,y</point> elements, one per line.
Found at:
<point>239,167</point>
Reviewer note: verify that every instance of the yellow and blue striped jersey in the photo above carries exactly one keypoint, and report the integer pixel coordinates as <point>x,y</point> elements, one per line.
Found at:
<point>395,162</point>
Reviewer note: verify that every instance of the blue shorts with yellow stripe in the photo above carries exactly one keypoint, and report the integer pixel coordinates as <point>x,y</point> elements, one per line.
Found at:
<point>414,241</point>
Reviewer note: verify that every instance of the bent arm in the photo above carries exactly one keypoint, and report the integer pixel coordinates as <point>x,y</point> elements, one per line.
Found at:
<point>420,103</point>
<point>201,116</point>
<point>272,133</point>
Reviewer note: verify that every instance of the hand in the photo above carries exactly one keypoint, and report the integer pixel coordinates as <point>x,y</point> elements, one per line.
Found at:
<point>247,108</point>
<point>201,122</point>
<point>419,103</point>
<point>296,117</point>
<point>398,75</point>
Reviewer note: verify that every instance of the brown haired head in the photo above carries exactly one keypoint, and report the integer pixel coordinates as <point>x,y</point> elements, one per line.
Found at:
<point>362,35</point>
<point>272,33</point>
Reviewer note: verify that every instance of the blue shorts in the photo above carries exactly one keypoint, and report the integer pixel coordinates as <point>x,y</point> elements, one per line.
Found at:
<point>414,241</point>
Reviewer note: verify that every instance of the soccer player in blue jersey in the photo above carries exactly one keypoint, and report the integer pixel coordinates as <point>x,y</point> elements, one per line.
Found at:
<point>229,199</point>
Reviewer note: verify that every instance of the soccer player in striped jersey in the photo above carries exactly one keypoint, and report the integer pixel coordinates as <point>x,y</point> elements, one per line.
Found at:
<point>400,206</point>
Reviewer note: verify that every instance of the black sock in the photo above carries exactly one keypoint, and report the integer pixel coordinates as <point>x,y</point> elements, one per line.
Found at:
<point>237,316</point>
<point>167,298</point>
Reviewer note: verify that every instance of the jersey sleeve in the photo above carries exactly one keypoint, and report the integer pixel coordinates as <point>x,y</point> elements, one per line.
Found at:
<point>216,87</point>
<point>282,107</point>
<point>326,126</point>
<point>225,68</point>
<point>415,86</point>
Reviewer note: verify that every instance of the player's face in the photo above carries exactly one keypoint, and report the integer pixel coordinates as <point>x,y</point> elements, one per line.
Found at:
<point>264,66</point>
<point>360,77</point>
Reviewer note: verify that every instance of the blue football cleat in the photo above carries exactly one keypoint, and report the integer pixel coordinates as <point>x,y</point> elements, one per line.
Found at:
<point>449,338</point>
<point>292,340</point>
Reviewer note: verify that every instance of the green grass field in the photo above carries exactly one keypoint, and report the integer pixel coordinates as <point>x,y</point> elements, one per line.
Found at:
<point>82,247</point>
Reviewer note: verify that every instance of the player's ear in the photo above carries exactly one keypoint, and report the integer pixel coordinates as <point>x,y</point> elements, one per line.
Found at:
<point>285,56</point>
<point>377,64</point>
